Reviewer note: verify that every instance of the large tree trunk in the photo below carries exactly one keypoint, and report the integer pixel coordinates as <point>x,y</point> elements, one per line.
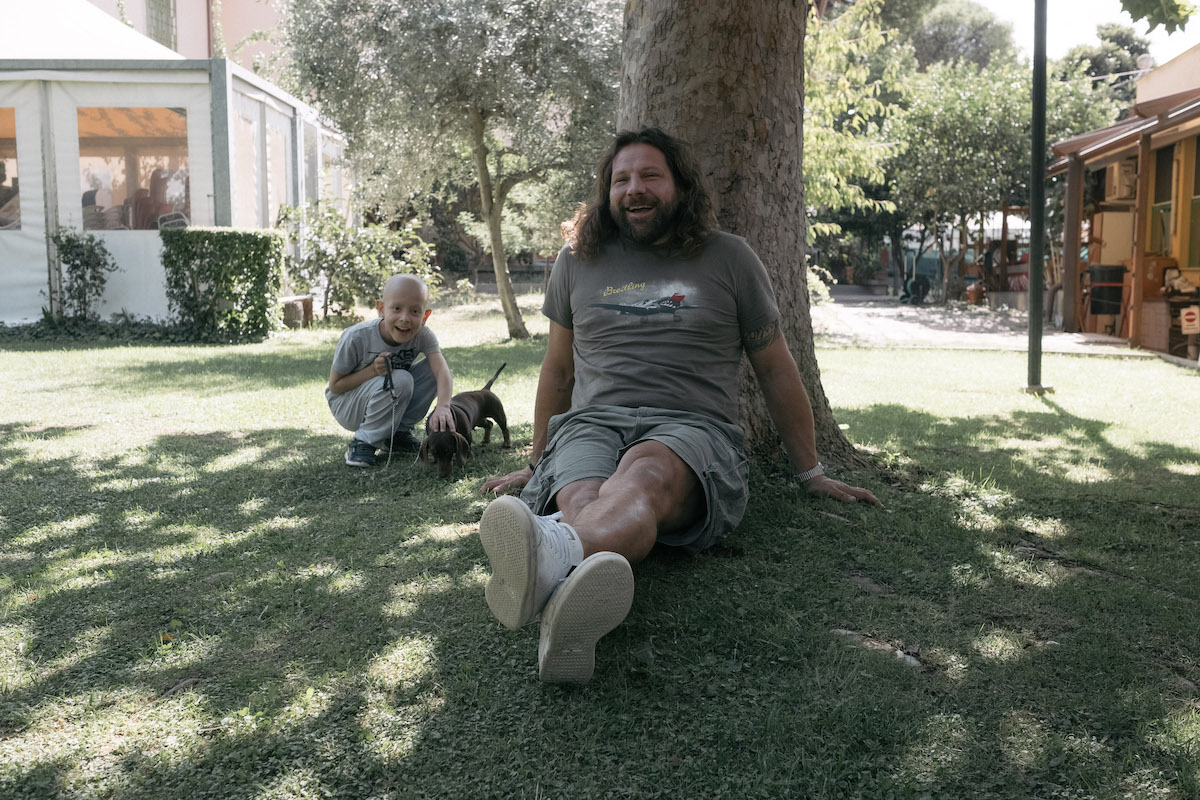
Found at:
<point>729,78</point>
<point>491,199</point>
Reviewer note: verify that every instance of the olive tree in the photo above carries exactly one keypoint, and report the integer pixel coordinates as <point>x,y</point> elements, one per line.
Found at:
<point>427,90</point>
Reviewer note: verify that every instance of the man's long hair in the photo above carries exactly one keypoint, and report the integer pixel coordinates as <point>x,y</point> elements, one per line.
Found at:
<point>694,221</point>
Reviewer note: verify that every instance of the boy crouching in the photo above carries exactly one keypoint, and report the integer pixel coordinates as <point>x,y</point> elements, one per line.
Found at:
<point>375,388</point>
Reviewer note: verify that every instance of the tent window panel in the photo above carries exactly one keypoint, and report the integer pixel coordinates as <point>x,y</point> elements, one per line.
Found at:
<point>10,192</point>
<point>277,172</point>
<point>133,168</point>
<point>312,166</point>
<point>246,206</point>
<point>334,186</point>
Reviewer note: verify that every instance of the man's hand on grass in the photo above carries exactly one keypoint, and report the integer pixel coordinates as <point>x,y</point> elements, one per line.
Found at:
<point>506,484</point>
<point>825,486</point>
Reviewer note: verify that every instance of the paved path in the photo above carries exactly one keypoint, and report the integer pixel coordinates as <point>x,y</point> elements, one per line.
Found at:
<point>859,318</point>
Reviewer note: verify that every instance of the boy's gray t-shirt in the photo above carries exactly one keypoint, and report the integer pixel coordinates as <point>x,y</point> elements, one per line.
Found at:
<point>361,344</point>
<point>652,330</point>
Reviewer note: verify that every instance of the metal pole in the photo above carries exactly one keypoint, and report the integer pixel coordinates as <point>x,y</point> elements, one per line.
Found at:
<point>1037,199</point>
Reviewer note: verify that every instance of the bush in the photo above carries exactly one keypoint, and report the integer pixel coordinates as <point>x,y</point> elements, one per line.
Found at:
<point>223,284</point>
<point>86,264</point>
<point>819,280</point>
<point>345,264</point>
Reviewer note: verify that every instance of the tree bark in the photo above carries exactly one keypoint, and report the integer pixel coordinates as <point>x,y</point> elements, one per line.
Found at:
<point>491,199</point>
<point>729,78</point>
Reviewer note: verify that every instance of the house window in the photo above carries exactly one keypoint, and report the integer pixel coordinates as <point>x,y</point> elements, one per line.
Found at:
<point>1194,232</point>
<point>1160,208</point>
<point>133,168</point>
<point>10,193</point>
<point>160,21</point>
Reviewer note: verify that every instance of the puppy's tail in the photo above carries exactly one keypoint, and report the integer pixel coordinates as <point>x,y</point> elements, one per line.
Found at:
<point>488,385</point>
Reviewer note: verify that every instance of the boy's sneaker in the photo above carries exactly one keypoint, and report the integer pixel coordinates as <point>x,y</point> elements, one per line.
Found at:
<point>529,555</point>
<point>592,601</point>
<point>360,454</point>
<point>404,442</point>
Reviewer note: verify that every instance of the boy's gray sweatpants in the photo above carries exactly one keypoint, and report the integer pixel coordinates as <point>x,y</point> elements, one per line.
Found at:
<point>368,408</point>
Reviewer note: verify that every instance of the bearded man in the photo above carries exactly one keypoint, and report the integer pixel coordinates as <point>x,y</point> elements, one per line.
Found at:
<point>636,440</point>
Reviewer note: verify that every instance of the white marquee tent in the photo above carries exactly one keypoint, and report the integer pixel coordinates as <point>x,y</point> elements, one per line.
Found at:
<point>105,130</point>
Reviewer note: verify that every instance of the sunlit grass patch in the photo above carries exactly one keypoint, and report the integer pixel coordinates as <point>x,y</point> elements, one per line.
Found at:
<point>1028,571</point>
<point>999,645</point>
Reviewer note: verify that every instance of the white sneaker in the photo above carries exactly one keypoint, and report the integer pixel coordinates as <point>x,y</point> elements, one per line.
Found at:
<point>593,600</point>
<point>530,556</point>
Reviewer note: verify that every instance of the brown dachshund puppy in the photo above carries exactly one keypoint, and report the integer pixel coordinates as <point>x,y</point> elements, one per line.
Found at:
<point>471,410</point>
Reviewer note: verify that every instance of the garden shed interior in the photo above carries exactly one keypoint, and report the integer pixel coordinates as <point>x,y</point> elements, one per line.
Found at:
<point>105,130</point>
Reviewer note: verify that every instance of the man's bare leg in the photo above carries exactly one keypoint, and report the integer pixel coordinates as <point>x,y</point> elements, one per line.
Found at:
<point>652,490</point>
<point>617,521</point>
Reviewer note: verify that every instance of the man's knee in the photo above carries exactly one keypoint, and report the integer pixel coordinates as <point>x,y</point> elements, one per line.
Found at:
<point>657,469</point>
<point>574,497</point>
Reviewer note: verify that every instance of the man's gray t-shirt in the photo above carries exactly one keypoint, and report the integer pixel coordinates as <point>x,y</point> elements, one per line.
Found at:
<point>361,344</point>
<point>660,331</point>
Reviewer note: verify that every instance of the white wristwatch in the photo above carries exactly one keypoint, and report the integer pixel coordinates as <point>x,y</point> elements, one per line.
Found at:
<point>808,475</point>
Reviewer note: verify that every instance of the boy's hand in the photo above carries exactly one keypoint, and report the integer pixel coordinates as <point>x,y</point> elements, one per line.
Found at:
<point>380,364</point>
<point>441,419</point>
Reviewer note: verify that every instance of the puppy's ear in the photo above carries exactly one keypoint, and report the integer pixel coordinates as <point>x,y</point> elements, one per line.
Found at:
<point>424,454</point>
<point>462,449</point>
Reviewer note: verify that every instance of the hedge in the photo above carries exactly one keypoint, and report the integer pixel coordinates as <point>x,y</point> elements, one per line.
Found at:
<point>222,283</point>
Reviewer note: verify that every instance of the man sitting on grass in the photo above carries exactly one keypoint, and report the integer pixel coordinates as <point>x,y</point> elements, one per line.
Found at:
<point>377,388</point>
<point>635,420</point>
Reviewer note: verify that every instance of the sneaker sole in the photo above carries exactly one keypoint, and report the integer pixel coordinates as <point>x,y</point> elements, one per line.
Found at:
<point>506,530</point>
<point>357,463</point>
<point>594,599</point>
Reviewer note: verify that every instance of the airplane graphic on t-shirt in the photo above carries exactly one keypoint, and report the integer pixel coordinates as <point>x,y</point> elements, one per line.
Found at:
<point>663,305</point>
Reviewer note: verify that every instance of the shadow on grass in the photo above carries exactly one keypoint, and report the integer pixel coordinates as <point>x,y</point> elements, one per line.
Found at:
<point>1022,562</point>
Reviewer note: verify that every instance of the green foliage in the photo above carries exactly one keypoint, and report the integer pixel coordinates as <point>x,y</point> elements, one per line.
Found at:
<point>959,31</point>
<point>965,141</point>
<point>86,263</point>
<point>966,137</point>
<point>1171,14</point>
<point>223,284</point>
<point>430,92</point>
<point>843,145</point>
<point>122,328</point>
<point>533,216</point>
<point>408,81</point>
<point>819,280</point>
<point>349,264</point>
<point>1112,58</point>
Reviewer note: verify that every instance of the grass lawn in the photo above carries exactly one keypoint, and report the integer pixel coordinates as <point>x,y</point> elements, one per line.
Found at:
<point>198,599</point>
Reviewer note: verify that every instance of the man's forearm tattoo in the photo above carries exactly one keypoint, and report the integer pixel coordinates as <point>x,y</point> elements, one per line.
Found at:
<point>759,339</point>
